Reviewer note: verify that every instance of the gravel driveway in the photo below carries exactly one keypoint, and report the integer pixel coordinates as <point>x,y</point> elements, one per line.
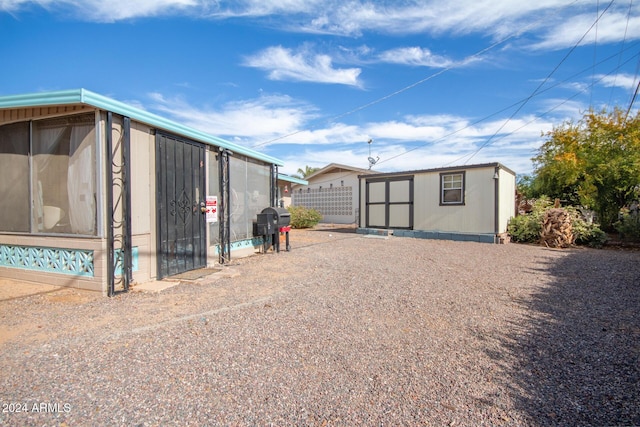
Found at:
<point>343,330</point>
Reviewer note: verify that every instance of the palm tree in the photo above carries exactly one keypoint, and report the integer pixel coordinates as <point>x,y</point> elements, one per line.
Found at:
<point>303,173</point>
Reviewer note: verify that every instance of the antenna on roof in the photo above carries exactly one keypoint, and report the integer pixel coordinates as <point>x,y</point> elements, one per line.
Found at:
<point>372,161</point>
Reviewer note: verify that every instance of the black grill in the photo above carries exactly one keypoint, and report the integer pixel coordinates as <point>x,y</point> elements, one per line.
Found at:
<point>271,222</point>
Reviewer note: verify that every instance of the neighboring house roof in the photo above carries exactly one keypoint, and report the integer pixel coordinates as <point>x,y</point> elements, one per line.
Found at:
<point>444,169</point>
<point>336,167</point>
<point>292,179</point>
<point>83,96</point>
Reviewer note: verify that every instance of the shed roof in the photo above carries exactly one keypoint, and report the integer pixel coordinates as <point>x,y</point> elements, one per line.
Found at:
<point>444,169</point>
<point>86,97</point>
<point>337,167</point>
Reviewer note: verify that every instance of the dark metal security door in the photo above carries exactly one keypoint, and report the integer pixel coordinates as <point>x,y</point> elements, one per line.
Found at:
<point>180,166</point>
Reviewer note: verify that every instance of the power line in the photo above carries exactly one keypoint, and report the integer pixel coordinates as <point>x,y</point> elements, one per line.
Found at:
<point>624,39</point>
<point>411,86</point>
<point>559,83</point>
<point>543,82</point>
<point>633,99</point>
<point>536,117</point>
<point>595,53</point>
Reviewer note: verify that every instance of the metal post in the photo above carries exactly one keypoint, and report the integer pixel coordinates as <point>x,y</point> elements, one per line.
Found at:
<point>225,207</point>
<point>118,196</point>
<point>274,185</point>
<point>109,196</point>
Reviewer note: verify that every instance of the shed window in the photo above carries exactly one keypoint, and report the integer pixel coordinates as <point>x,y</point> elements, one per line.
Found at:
<point>452,188</point>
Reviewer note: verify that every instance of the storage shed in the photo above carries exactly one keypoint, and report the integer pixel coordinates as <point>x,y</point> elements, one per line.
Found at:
<point>470,203</point>
<point>98,194</point>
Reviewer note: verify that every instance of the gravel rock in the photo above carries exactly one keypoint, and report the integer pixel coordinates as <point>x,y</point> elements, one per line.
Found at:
<point>343,330</point>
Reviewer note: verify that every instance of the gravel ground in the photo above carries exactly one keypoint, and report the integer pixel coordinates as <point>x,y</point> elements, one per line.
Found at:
<point>343,330</point>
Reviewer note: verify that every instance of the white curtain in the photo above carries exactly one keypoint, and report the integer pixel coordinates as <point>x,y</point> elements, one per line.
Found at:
<point>45,148</point>
<point>81,180</point>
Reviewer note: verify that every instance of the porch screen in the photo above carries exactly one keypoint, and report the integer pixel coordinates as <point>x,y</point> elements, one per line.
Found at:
<point>55,192</point>
<point>250,189</point>
<point>14,185</point>
<point>63,175</point>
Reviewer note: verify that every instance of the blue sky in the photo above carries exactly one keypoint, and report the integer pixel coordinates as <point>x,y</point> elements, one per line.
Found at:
<point>432,83</point>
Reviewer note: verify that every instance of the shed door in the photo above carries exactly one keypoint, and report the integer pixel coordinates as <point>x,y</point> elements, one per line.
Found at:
<point>389,202</point>
<point>180,166</point>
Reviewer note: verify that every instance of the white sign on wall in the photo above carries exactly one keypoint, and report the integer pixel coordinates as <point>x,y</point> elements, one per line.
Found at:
<point>211,215</point>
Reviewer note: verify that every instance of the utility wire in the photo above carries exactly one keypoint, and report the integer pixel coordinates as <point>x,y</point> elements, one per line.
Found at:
<point>538,116</point>
<point>541,84</point>
<point>411,86</point>
<point>595,53</point>
<point>559,83</point>
<point>624,40</point>
<point>633,99</point>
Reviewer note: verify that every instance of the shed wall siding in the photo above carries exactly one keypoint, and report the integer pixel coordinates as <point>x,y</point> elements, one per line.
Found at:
<point>507,188</point>
<point>475,216</point>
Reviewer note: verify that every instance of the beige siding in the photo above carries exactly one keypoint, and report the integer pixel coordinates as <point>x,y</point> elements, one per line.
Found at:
<point>146,258</point>
<point>475,216</point>
<point>142,186</point>
<point>507,195</point>
<point>143,225</point>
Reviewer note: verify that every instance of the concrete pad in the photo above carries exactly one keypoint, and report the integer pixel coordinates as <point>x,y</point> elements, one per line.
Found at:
<point>374,236</point>
<point>155,286</point>
<point>161,285</point>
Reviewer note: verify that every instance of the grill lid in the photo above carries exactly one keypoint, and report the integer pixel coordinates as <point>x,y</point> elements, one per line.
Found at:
<point>281,216</point>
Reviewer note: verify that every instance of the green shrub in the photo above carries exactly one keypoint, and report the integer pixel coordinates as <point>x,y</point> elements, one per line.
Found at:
<point>302,217</point>
<point>526,228</point>
<point>628,226</point>
<point>586,233</point>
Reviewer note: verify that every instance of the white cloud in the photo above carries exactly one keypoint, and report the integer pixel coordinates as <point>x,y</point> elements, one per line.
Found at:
<point>415,56</point>
<point>623,81</point>
<point>411,142</point>
<point>248,121</point>
<point>612,27</point>
<point>108,11</point>
<point>560,24</point>
<point>303,65</point>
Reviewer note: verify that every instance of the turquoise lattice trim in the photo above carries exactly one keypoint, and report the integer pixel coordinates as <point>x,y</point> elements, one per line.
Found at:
<point>120,259</point>
<point>242,244</point>
<point>53,260</point>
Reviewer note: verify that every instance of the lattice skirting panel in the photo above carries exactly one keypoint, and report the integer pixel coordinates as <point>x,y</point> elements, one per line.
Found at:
<point>73,262</point>
<point>242,244</point>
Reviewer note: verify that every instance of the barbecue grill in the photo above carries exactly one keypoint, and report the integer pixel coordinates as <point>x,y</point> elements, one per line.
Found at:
<point>272,221</point>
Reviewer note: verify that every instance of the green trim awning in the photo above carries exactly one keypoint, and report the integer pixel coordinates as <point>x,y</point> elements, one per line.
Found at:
<point>86,97</point>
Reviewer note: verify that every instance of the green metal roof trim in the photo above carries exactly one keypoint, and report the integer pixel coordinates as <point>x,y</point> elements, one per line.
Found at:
<point>83,96</point>
<point>283,177</point>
